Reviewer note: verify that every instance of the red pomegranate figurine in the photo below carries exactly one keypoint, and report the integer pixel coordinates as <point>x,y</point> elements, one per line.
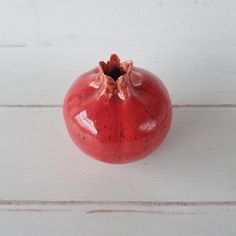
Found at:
<point>117,113</point>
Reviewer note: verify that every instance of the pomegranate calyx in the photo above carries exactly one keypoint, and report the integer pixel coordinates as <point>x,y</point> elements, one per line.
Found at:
<point>116,77</point>
<point>114,68</point>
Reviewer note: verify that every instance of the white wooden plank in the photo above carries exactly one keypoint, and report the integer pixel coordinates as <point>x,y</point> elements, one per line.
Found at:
<point>216,221</point>
<point>196,162</point>
<point>123,24</point>
<point>17,24</point>
<point>43,75</point>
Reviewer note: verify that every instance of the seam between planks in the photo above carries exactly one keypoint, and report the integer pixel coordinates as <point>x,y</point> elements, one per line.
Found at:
<point>117,203</point>
<point>174,106</point>
<point>105,211</point>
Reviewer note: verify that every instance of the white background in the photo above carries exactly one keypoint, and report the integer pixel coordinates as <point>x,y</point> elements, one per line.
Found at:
<point>49,187</point>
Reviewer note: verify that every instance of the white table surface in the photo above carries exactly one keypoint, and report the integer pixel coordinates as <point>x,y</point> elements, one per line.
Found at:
<point>187,187</point>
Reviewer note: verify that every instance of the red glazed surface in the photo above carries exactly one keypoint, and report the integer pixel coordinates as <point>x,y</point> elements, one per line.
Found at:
<point>119,119</point>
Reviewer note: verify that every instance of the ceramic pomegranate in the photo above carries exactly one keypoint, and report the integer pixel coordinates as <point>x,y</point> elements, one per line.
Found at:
<point>117,113</point>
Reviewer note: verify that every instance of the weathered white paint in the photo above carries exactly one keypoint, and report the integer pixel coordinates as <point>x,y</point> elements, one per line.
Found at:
<point>174,221</point>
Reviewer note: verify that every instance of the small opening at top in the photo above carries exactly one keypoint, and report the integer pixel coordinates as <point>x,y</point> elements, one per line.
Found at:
<point>115,72</point>
<point>113,67</point>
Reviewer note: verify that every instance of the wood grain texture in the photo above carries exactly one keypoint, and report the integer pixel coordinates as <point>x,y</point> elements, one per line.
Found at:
<point>83,222</point>
<point>40,162</point>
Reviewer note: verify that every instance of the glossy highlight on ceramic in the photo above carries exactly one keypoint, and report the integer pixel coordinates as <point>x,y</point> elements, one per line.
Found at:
<point>117,113</point>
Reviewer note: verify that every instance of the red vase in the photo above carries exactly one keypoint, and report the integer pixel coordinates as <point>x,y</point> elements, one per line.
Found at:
<point>117,113</point>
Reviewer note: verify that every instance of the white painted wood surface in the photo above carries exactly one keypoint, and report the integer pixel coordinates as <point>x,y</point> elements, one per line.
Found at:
<point>123,25</point>
<point>49,187</point>
<point>194,165</point>
<point>42,75</point>
<point>73,221</point>
<point>196,162</point>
